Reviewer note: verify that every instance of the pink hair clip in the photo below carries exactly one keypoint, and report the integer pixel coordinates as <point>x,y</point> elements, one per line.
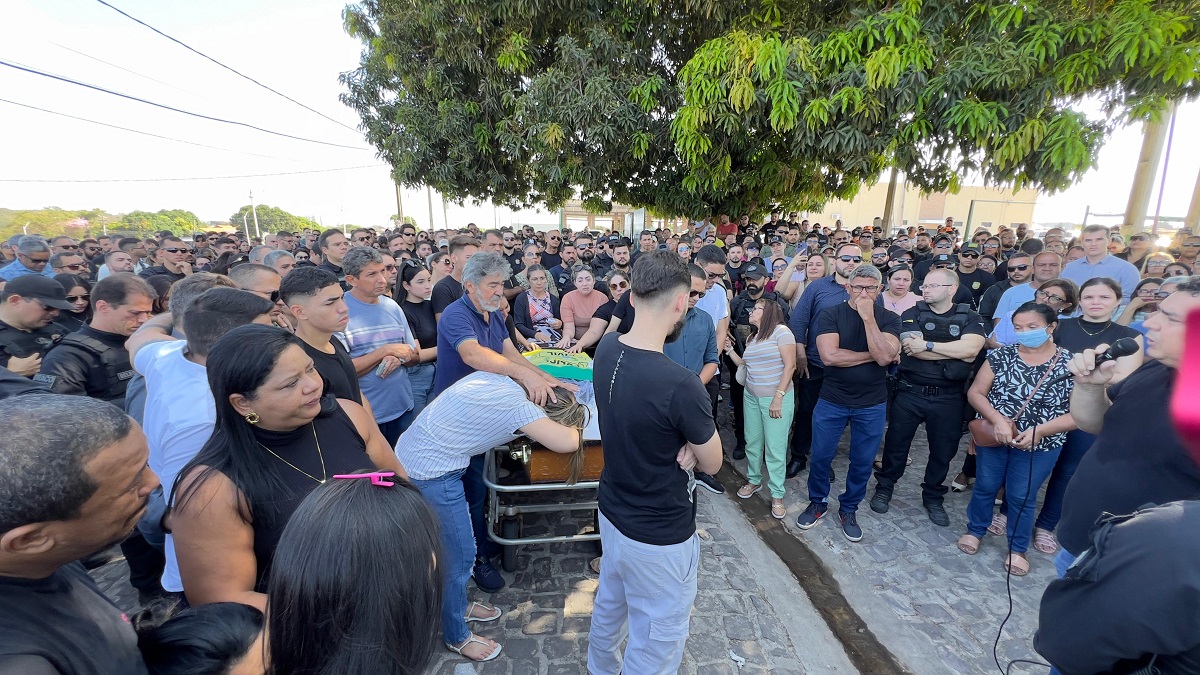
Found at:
<point>377,477</point>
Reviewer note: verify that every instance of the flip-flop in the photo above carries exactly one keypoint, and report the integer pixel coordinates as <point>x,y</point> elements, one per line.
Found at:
<point>489,657</point>
<point>966,546</point>
<point>483,619</point>
<point>1017,564</point>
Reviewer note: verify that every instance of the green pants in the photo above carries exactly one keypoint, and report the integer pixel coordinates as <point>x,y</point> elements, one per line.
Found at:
<point>766,435</point>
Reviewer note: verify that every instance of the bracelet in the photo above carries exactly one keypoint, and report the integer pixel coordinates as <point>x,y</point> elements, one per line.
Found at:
<point>781,392</point>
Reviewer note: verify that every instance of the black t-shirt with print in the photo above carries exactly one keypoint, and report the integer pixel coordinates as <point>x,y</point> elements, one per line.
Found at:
<point>649,408</point>
<point>864,385</point>
<point>64,624</point>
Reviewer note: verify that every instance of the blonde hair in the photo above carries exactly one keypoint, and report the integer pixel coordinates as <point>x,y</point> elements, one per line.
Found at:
<point>570,413</point>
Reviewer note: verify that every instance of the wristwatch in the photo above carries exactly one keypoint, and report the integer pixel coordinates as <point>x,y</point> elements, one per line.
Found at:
<point>928,346</point>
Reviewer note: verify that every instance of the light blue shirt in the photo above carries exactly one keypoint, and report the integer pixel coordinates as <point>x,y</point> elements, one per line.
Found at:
<point>1013,298</point>
<point>1109,266</point>
<point>15,269</point>
<point>697,344</point>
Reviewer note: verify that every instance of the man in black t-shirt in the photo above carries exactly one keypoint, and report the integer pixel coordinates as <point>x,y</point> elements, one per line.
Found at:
<point>857,340</point>
<point>449,288</point>
<point>316,300</point>
<point>1123,471</point>
<point>75,484</point>
<point>940,341</point>
<point>971,277</point>
<point>656,421</point>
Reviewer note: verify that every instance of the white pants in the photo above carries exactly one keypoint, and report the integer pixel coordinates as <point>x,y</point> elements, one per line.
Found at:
<point>645,592</point>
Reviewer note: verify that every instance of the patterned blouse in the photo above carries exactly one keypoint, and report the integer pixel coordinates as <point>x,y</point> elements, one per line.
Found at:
<point>1014,379</point>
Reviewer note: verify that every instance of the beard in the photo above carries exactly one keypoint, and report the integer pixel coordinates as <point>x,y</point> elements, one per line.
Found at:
<point>676,330</point>
<point>755,291</point>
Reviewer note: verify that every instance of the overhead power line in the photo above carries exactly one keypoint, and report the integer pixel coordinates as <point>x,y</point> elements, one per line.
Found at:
<point>173,109</point>
<point>230,69</point>
<point>123,68</point>
<point>136,131</point>
<point>164,180</point>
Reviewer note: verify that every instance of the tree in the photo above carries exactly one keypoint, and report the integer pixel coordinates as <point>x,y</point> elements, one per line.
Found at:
<point>272,219</point>
<point>178,221</point>
<point>726,106</point>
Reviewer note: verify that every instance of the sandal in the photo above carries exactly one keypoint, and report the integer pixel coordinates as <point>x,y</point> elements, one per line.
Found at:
<point>1044,541</point>
<point>748,490</point>
<point>961,482</point>
<point>969,544</point>
<point>999,525</point>
<point>485,607</point>
<point>475,640</point>
<point>1017,564</point>
<point>778,512</point>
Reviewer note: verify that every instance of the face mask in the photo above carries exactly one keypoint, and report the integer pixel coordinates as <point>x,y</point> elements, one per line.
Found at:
<point>1033,338</point>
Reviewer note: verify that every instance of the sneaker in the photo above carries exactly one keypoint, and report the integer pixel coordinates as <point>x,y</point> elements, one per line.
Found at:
<point>709,483</point>
<point>881,501</point>
<point>850,526</point>
<point>811,515</point>
<point>739,451</point>
<point>937,513</point>
<point>487,578</point>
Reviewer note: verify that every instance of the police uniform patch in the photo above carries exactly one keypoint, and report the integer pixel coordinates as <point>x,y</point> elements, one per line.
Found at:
<point>955,330</point>
<point>930,326</point>
<point>45,379</point>
<point>127,375</point>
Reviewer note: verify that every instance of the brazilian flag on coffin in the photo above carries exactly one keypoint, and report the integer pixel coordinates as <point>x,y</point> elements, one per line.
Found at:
<point>561,364</point>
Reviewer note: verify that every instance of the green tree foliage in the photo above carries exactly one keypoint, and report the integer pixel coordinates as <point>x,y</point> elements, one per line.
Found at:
<point>722,105</point>
<point>271,219</point>
<point>178,221</point>
<point>53,221</point>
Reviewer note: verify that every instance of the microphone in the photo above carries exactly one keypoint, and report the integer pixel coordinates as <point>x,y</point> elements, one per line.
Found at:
<point>1123,347</point>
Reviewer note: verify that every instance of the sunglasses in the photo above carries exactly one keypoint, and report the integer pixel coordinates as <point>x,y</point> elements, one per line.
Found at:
<point>850,258</point>
<point>694,294</point>
<point>390,268</point>
<point>968,255</point>
<point>620,285</point>
<point>1017,268</point>
<point>447,262</point>
<point>274,295</point>
<point>178,250</point>
<point>301,257</point>
<point>362,239</point>
<point>70,247</point>
<point>584,246</point>
<point>76,267</point>
<point>38,261</point>
<point>76,298</point>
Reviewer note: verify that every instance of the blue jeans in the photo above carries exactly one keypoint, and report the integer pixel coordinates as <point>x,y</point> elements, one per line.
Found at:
<point>445,495</point>
<point>1022,473</point>
<point>421,379</point>
<point>150,524</point>
<point>1076,446</point>
<point>829,420</point>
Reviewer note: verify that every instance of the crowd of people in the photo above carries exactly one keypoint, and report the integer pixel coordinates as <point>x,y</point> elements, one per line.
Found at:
<point>286,435</point>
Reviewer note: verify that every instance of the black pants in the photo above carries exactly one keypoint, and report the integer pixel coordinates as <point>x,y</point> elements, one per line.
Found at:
<point>808,391</point>
<point>942,415</point>
<point>737,394</point>
<point>476,494</point>
<point>145,563</point>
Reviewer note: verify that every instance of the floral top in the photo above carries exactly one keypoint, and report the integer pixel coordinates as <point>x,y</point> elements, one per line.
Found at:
<point>1014,379</point>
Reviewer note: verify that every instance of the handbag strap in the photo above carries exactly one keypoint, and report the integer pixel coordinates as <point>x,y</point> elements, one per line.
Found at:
<point>1029,399</point>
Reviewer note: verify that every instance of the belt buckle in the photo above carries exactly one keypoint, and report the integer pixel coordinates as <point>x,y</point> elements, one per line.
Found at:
<point>931,391</point>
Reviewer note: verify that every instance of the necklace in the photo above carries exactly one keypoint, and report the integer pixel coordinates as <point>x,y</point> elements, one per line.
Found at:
<point>324,473</point>
<point>1083,322</point>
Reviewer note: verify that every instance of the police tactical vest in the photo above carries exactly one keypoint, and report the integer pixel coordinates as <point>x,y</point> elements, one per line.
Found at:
<point>936,327</point>
<point>20,344</point>
<point>110,366</point>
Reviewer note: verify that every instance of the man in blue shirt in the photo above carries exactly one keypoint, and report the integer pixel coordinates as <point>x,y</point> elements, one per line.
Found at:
<point>33,256</point>
<point>821,294</point>
<point>696,347</point>
<point>1098,262</point>
<point>472,336</point>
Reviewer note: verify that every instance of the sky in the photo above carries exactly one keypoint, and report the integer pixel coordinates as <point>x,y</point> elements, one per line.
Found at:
<point>297,47</point>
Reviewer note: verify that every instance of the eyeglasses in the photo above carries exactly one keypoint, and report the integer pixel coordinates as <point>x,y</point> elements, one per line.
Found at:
<point>1157,263</point>
<point>1017,268</point>
<point>390,268</point>
<point>694,294</point>
<point>177,250</point>
<point>850,258</point>
<point>447,262</point>
<point>362,240</point>
<point>1052,298</point>
<point>1146,292</point>
<point>620,285</point>
<point>937,285</point>
<point>863,289</point>
<point>1191,245</point>
<point>76,298</point>
<point>1161,295</point>
<point>301,258</point>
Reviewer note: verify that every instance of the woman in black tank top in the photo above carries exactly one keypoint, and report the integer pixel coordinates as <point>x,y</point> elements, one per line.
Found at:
<point>276,439</point>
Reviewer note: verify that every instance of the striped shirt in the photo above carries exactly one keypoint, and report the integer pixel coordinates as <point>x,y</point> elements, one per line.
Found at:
<point>472,416</point>
<point>764,365</point>
<point>373,325</point>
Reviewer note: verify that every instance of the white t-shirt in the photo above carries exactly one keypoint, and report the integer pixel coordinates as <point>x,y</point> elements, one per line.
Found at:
<point>178,421</point>
<point>474,415</point>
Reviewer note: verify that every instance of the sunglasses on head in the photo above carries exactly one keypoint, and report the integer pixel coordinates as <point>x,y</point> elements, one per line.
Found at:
<point>850,258</point>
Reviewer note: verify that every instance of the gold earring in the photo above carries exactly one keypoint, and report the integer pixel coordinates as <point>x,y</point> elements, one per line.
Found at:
<point>252,418</point>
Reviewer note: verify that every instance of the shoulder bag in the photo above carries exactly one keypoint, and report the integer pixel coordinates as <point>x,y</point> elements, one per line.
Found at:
<point>983,432</point>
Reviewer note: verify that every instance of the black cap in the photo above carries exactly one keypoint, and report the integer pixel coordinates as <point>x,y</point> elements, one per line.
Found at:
<point>776,240</point>
<point>43,289</point>
<point>945,258</point>
<point>754,272</point>
<point>974,248</point>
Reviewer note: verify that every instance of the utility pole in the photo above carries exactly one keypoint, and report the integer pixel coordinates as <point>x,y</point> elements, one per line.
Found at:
<point>257,232</point>
<point>1162,185</point>
<point>1143,178</point>
<point>889,204</point>
<point>429,199</point>
<point>399,206</point>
